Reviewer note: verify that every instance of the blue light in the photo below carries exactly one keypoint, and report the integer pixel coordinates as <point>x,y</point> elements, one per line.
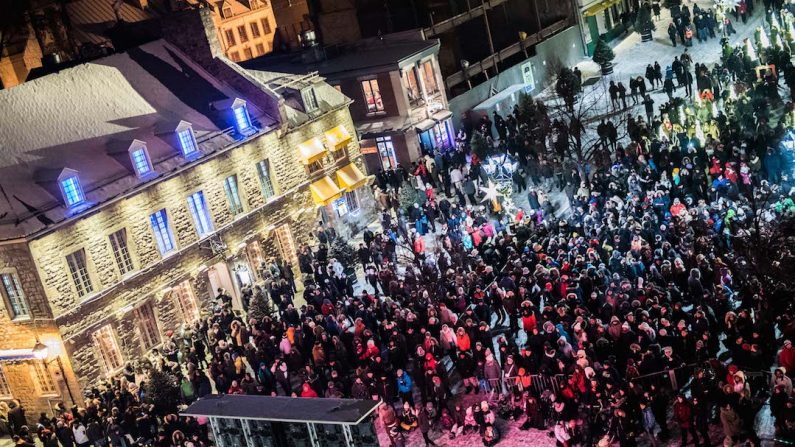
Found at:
<point>72,192</point>
<point>141,161</point>
<point>242,120</point>
<point>188,142</point>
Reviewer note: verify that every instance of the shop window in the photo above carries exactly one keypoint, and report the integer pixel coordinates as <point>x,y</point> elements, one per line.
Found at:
<point>372,96</point>
<point>43,379</point>
<point>340,206</point>
<point>186,301</point>
<point>15,296</point>
<point>387,152</point>
<point>108,349</point>
<point>121,251</point>
<point>353,201</point>
<point>147,325</point>
<point>78,268</point>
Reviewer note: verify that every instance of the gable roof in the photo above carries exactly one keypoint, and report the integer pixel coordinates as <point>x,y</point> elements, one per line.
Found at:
<point>71,117</point>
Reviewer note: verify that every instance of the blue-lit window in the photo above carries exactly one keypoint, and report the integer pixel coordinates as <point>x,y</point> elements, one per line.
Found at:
<point>163,235</point>
<point>140,161</point>
<point>72,192</point>
<point>188,142</point>
<point>242,120</point>
<point>200,213</point>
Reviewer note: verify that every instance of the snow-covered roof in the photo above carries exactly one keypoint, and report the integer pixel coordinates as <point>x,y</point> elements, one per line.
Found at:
<point>77,118</point>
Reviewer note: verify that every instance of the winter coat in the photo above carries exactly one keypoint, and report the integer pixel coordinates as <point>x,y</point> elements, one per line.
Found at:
<point>404,383</point>
<point>731,422</point>
<point>683,414</point>
<point>491,369</point>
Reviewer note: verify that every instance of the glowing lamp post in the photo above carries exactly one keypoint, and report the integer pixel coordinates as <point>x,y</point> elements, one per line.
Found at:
<point>42,352</point>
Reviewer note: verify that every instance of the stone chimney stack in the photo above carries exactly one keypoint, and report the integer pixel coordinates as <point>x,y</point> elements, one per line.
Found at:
<point>193,31</point>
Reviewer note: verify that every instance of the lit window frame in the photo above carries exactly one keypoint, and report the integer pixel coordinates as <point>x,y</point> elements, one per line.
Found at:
<point>139,157</point>
<point>241,117</point>
<point>200,212</point>
<point>72,190</point>
<point>164,236</point>
<point>14,295</point>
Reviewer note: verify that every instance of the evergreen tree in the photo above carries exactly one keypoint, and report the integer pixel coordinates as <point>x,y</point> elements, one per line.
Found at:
<point>343,252</point>
<point>479,145</point>
<point>162,390</point>
<point>644,23</point>
<point>260,307</point>
<point>603,54</point>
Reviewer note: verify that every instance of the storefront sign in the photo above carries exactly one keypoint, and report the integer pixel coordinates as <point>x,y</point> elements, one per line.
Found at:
<point>369,150</point>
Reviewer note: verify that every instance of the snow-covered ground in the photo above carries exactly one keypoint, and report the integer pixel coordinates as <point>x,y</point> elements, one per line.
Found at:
<point>632,57</point>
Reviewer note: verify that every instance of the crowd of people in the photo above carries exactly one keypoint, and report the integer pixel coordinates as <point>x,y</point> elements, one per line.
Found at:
<point>593,321</point>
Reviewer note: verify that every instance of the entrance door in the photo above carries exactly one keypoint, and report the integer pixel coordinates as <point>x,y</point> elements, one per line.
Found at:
<point>284,239</point>
<point>219,277</point>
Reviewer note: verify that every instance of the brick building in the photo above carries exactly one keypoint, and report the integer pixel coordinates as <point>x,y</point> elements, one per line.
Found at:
<point>136,185</point>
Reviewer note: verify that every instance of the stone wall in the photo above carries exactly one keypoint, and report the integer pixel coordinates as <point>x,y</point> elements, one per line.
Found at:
<point>22,334</point>
<point>115,297</point>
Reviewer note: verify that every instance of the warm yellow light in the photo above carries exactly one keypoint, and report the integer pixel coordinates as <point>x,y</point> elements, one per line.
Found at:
<point>41,351</point>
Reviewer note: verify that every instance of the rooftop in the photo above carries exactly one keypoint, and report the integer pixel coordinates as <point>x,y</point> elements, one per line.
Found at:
<point>284,409</point>
<point>78,117</point>
<point>366,56</point>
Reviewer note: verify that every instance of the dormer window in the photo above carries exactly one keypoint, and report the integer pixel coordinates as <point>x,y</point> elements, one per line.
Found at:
<point>242,119</point>
<point>187,142</point>
<point>140,159</point>
<point>72,192</point>
<point>310,100</point>
<point>227,12</point>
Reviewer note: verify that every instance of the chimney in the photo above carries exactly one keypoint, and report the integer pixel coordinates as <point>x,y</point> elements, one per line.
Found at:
<point>193,32</point>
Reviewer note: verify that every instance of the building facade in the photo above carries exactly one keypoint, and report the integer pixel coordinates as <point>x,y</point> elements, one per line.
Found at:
<point>175,173</point>
<point>399,101</point>
<point>246,28</point>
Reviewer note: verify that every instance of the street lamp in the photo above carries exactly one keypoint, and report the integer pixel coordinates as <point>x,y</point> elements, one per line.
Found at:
<point>42,352</point>
<point>465,70</point>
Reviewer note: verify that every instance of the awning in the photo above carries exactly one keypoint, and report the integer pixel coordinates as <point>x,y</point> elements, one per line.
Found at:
<point>424,125</point>
<point>311,150</point>
<point>350,177</point>
<point>442,115</point>
<point>599,7</point>
<point>338,137</point>
<point>14,355</point>
<point>324,191</point>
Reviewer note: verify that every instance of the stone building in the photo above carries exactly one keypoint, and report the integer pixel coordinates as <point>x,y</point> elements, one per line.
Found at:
<point>134,186</point>
<point>399,101</point>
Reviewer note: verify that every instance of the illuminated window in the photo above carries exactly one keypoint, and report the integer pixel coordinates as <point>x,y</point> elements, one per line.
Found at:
<point>72,192</point>
<point>372,96</point>
<point>353,201</point>
<point>78,267</point>
<point>233,195</point>
<point>242,120</point>
<point>340,206</point>
<point>140,161</point>
<point>108,349</point>
<point>188,142</point>
<point>387,152</point>
<point>201,213</point>
<point>163,235</point>
<point>121,252</point>
<point>186,301</point>
<point>147,325</point>
<point>43,379</point>
<point>415,96</point>
<point>429,78</point>
<point>17,303</point>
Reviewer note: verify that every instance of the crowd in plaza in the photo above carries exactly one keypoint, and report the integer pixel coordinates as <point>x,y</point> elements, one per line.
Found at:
<point>628,313</point>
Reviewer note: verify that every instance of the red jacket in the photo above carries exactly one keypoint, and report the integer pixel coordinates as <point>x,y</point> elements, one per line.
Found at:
<point>786,359</point>
<point>683,414</point>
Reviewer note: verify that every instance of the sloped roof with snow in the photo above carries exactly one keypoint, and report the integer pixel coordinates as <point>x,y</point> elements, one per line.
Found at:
<point>73,119</point>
